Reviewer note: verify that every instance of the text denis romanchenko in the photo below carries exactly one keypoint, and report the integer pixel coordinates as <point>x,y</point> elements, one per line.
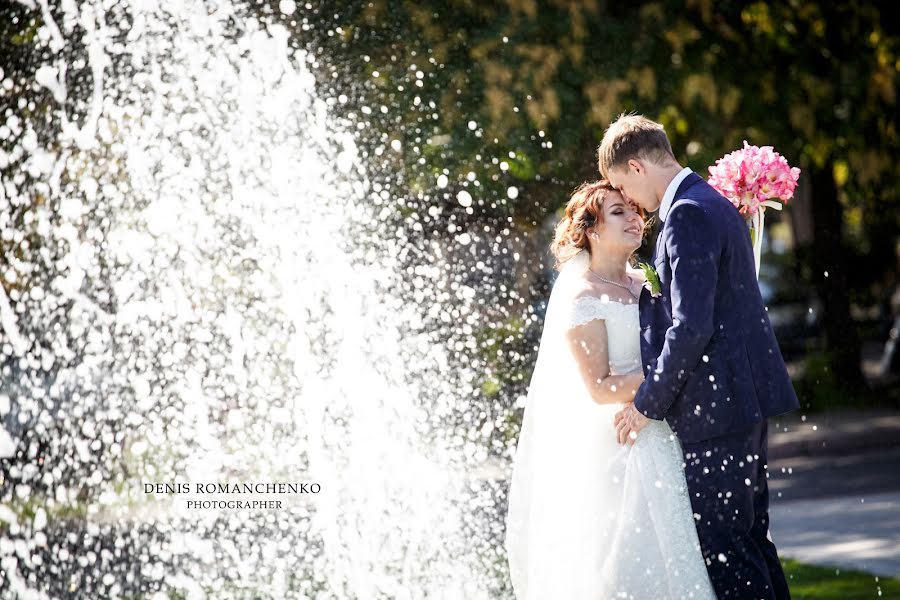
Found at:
<point>232,488</point>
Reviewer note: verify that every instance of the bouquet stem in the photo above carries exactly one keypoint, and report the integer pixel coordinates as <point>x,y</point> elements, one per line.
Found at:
<point>758,224</point>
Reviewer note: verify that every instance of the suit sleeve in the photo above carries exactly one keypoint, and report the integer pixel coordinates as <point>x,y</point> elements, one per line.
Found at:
<point>693,247</point>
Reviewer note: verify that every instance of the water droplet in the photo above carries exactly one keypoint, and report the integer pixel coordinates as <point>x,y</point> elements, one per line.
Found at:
<point>464,198</point>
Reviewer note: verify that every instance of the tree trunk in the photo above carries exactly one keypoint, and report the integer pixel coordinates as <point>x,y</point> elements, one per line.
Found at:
<point>829,265</point>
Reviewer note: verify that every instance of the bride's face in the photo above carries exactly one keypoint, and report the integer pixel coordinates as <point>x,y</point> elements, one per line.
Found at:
<point>622,226</point>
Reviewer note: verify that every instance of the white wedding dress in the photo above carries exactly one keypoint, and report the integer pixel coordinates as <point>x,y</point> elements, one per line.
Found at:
<point>588,518</point>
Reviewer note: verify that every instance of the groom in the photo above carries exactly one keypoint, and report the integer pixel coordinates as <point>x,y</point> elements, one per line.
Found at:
<point>712,366</point>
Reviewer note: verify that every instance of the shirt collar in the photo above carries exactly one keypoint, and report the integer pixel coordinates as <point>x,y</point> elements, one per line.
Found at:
<point>669,196</point>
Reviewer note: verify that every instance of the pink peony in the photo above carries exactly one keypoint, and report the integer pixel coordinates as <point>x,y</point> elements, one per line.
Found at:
<point>753,175</point>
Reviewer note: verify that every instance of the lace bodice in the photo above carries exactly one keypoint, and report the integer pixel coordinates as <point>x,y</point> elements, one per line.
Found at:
<point>623,329</point>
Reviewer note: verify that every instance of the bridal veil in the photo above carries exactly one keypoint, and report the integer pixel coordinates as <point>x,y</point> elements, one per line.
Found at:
<point>558,513</point>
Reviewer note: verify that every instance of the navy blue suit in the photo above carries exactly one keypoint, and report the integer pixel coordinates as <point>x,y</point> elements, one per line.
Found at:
<point>714,372</point>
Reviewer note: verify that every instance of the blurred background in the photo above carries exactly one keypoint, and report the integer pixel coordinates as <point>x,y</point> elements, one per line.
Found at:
<point>510,100</point>
<point>455,133</point>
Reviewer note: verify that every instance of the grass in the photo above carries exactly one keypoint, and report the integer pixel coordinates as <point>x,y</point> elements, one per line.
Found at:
<point>825,583</point>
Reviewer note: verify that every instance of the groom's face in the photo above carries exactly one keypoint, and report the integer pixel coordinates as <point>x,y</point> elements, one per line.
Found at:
<point>633,181</point>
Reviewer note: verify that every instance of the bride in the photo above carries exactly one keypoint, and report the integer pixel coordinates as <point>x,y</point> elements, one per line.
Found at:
<point>589,518</point>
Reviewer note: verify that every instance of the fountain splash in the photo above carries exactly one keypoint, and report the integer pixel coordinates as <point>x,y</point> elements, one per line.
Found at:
<point>203,295</point>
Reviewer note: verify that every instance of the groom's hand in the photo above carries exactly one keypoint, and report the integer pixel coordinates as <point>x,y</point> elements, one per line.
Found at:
<point>628,422</point>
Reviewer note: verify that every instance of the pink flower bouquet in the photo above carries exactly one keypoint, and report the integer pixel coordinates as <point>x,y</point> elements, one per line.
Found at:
<point>754,179</point>
<point>753,176</point>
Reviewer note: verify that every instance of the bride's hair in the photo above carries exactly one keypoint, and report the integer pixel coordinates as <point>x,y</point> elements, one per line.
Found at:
<point>584,209</point>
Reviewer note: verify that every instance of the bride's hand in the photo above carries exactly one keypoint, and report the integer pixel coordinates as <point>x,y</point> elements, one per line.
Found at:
<point>628,422</point>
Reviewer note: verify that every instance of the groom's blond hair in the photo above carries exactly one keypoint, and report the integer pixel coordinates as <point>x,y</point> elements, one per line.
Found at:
<point>633,136</point>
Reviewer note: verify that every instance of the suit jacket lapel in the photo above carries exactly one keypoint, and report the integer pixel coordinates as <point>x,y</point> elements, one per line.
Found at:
<point>688,181</point>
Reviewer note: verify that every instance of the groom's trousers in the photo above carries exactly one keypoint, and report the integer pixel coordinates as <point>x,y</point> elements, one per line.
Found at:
<point>726,479</point>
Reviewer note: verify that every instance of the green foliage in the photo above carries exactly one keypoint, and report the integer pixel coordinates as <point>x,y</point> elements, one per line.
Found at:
<point>502,367</point>
<point>809,582</point>
<point>818,80</point>
<point>521,166</point>
<point>468,84</point>
<point>26,36</point>
<point>26,509</point>
<point>819,388</point>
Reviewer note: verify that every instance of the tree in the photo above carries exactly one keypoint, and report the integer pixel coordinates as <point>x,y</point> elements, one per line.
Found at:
<point>819,81</point>
<point>533,85</point>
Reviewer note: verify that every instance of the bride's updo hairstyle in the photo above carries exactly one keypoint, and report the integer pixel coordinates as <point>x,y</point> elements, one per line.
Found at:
<point>584,208</point>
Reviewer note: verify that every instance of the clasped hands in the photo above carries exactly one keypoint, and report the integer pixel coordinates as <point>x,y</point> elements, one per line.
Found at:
<point>628,422</point>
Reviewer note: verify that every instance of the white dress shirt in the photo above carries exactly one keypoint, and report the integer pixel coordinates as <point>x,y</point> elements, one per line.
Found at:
<point>669,196</point>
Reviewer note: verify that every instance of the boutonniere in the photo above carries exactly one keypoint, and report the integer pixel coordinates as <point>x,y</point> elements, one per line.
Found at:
<point>652,277</point>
